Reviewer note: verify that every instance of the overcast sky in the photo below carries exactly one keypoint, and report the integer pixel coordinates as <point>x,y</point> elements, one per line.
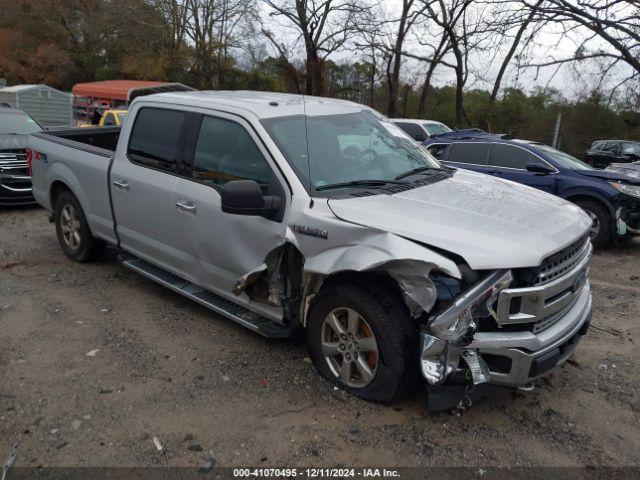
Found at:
<point>572,80</point>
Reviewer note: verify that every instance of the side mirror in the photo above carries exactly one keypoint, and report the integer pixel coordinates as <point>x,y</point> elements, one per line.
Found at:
<point>539,168</point>
<point>420,137</point>
<point>244,197</point>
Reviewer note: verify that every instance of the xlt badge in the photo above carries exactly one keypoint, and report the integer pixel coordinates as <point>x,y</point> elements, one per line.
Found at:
<point>311,231</point>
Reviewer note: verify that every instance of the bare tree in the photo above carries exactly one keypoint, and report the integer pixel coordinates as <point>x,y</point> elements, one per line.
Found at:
<point>464,24</point>
<point>410,13</point>
<point>517,21</point>
<point>439,51</point>
<point>604,29</point>
<point>213,28</point>
<point>325,26</point>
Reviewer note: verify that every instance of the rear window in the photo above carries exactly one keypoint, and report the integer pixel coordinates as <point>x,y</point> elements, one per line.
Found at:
<point>473,153</point>
<point>436,128</point>
<point>154,138</point>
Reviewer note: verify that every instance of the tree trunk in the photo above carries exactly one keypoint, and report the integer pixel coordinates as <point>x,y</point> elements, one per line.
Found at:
<point>424,91</point>
<point>485,123</point>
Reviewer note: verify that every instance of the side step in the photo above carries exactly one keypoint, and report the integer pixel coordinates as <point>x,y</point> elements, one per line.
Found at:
<point>218,304</point>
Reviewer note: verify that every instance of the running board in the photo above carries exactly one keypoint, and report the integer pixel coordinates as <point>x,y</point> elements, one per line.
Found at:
<point>210,300</point>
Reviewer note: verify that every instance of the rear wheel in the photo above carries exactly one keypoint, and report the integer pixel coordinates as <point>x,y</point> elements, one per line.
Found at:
<point>73,231</point>
<point>364,342</point>
<point>600,232</point>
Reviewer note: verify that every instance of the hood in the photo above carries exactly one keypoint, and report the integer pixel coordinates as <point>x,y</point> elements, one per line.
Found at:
<point>608,175</point>
<point>628,171</point>
<point>490,222</point>
<point>13,142</point>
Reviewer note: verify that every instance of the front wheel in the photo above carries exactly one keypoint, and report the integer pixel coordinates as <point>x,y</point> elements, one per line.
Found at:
<point>600,232</point>
<point>363,342</point>
<point>73,230</point>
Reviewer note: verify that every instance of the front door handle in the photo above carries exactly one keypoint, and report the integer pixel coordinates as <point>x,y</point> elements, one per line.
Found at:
<point>121,185</point>
<point>186,206</point>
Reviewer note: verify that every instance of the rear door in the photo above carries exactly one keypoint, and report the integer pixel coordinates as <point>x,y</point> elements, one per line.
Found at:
<point>510,162</point>
<point>143,182</point>
<point>223,247</point>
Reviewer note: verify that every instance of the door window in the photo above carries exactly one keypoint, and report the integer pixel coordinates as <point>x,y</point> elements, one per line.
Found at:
<point>472,153</point>
<point>225,152</point>
<point>414,130</point>
<point>154,138</point>
<point>509,156</point>
<point>611,147</point>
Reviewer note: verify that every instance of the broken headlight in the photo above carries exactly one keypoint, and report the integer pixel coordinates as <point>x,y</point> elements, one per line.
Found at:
<point>456,323</point>
<point>631,190</point>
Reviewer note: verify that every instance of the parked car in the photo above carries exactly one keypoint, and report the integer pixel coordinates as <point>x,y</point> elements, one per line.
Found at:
<point>605,152</point>
<point>612,199</point>
<point>15,178</point>
<point>284,211</point>
<point>108,118</point>
<point>420,129</point>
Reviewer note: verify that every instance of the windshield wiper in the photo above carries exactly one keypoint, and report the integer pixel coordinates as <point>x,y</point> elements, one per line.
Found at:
<point>357,183</point>
<point>417,170</point>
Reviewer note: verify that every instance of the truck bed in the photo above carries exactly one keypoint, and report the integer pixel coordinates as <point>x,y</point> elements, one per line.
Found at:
<point>101,141</point>
<point>80,159</point>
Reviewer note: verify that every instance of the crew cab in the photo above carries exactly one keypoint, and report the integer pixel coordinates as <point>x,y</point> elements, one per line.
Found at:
<point>284,212</point>
<point>610,197</point>
<point>15,178</point>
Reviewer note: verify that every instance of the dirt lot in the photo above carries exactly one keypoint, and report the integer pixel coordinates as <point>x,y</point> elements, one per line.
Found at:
<point>165,367</point>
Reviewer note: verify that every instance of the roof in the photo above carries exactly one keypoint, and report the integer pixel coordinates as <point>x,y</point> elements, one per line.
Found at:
<point>261,104</point>
<point>25,87</point>
<point>119,89</point>
<point>415,120</point>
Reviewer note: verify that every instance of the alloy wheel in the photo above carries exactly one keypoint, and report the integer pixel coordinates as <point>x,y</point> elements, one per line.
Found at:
<point>70,227</point>
<point>349,347</point>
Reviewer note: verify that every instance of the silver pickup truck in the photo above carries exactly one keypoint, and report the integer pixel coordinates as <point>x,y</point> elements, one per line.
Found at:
<point>282,212</point>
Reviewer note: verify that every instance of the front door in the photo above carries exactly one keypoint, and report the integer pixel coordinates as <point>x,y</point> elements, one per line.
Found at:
<point>510,162</point>
<point>224,246</point>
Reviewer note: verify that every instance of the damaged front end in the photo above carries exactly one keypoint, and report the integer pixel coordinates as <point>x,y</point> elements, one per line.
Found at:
<point>449,331</point>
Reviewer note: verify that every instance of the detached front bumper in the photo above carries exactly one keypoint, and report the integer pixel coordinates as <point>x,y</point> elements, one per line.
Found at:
<point>534,328</point>
<point>516,359</point>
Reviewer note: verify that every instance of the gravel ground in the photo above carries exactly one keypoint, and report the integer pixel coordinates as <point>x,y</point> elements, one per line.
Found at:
<point>96,361</point>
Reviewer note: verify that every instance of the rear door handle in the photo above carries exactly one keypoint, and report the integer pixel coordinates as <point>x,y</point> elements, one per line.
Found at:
<point>186,206</point>
<point>121,185</point>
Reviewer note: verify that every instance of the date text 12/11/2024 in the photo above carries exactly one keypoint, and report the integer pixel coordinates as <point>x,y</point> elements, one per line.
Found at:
<point>316,472</point>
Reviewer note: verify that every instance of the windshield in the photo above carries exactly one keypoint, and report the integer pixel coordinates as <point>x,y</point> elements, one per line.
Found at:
<point>121,117</point>
<point>17,123</point>
<point>436,128</point>
<point>346,147</point>
<point>630,148</point>
<point>564,159</point>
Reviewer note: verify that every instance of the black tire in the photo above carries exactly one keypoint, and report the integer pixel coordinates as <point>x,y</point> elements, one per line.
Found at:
<point>396,373</point>
<point>87,248</point>
<point>600,216</point>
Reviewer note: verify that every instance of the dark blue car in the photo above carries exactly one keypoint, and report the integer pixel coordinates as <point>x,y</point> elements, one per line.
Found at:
<point>611,198</point>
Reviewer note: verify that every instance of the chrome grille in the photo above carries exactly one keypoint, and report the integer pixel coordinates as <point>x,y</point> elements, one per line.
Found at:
<point>560,263</point>
<point>14,171</point>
